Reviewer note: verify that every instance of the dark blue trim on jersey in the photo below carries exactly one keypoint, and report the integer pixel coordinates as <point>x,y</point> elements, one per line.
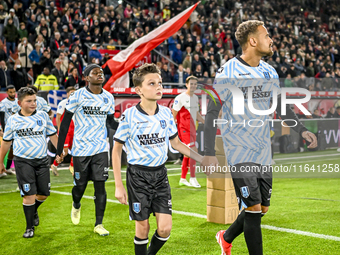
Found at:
<point>88,89</point>
<point>7,140</point>
<point>238,57</point>
<point>173,136</point>
<point>26,116</point>
<point>52,134</point>
<point>148,168</point>
<point>139,108</point>
<point>117,140</point>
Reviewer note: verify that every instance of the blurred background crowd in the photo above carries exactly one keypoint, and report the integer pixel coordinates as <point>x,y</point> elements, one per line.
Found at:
<point>54,40</point>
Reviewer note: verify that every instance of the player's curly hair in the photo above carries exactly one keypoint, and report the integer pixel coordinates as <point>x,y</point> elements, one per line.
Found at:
<point>245,29</point>
<point>138,76</point>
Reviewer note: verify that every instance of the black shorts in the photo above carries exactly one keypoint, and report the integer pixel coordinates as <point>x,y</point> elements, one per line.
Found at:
<point>148,190</point>
<point>252,184</point>
<point>93,168</point>
<point>33,176</point>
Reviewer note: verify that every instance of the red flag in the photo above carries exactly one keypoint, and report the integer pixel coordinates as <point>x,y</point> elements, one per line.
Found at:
<point>126,59</point>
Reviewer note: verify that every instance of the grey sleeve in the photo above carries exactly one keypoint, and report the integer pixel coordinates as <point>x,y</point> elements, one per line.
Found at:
<point>209,129</point>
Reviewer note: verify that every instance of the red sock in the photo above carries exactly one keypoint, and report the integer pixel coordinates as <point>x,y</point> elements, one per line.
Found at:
<point>185,167</point>
<point>71,163</point>
<point>192,165</point>
<point>55,163</point>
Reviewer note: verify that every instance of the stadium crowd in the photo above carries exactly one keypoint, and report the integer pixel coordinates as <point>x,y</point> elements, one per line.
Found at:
<point>54,40</point>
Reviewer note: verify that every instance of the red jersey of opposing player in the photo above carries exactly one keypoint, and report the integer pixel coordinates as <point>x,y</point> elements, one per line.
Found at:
<point>187,108</point>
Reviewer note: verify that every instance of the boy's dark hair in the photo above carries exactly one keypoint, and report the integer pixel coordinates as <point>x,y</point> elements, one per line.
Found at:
<point>10,87</point>
<point>33,87</point>
<point>245,29</point>
<point>25,91</point>
<point>68,89</point>
<point>138,76</point>
<point>191,77</point>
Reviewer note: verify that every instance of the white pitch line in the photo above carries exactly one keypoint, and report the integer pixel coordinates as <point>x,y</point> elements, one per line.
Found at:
<point>287,230</point>
<point>303,233</point>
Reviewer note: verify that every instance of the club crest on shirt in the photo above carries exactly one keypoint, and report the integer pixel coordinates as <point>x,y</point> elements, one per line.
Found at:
<point>266,75</point>
<point>163,123</point>
<point>136,207</point>
<point>105,100</point>
<point>39,122</point>
<point>26,187</point>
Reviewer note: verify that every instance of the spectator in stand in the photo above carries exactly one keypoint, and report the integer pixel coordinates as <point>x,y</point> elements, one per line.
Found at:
<point>213,66</point>
<point>198,72</point>
<point>177,54</point>
<point>316,114</point>
<point>337,112</point>
<point>63,63</point>
<point>310,72</point>
<point>180,75</point>
<point>196,61</point>
<point>94,53</point>
<point>13,17</point>
<point>288,82</point>
<point>172,42</point>
<point>55,45</point>
<point>74,79</point>
<point>85,37</point>
<point>18,75</point>
<point>32,23</point>
<point>11,35</point>
<point>97,37</point>
<point>5,77</point>
<point>3,55</point>
<point>327,83</point>
<point>123,33</point>
<point>35,57</point>
<point>66,36</point>
<point>24,50</point>
<point>105,58</point>
<point>46,61</point>
<point>206,62</point>
<point>43,25</point>
<point>331,113</point>
<point>58,73</point>
<point>166,76</point>
<point>22,31</point>
<point>80,64</point>
<point>3,15</point>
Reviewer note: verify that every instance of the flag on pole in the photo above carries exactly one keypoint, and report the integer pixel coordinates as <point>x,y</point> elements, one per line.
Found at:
<point>126,59</point>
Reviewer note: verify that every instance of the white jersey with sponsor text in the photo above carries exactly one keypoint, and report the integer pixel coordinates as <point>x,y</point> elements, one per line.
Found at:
<point>242,141</point>
<point>146,137</point>
<point>29,134</point>
<point>90,114</point>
